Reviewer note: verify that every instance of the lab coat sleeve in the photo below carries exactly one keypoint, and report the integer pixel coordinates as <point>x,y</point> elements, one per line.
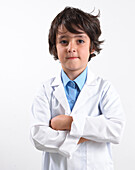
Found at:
<point>108,126</point>
<point>43,137</point>
<point>69,146</point>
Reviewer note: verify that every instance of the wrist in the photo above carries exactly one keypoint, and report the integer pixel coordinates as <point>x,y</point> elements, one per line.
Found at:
<point>70,122</point>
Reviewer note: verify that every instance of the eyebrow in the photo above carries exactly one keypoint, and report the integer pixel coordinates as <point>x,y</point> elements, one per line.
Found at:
<point>76,36</point>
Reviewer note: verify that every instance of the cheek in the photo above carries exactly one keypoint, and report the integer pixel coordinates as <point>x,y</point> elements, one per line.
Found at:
<point>85,52</point>
<point>60,54</point>
<point>60,50</point>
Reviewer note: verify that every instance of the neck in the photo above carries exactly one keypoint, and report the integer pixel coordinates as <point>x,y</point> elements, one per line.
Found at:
<point>72,75</point>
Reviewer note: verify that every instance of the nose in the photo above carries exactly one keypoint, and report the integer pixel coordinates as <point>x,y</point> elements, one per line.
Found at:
<point>71,47</point>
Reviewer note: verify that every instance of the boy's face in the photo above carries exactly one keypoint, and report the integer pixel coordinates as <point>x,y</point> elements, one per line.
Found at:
<point>73,50</point>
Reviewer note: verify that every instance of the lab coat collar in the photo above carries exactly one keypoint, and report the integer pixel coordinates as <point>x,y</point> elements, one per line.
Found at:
<point>59,93</point>
<point>85,93</point>
<point>91,78</point>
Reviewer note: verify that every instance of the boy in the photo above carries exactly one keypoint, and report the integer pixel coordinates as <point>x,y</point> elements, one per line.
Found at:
<point>77,115</point>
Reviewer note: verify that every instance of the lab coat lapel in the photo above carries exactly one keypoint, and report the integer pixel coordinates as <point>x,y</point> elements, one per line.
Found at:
<point>86,93</point>
<point>59,93</point>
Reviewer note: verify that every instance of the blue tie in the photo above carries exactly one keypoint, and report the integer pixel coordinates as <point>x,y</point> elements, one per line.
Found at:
<point>72,93</point>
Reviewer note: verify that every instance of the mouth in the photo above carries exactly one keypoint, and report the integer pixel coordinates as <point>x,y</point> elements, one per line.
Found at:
<point>72,58</point>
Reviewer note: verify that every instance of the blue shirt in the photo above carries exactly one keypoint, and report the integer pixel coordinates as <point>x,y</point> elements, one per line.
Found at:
<point>73,88</point>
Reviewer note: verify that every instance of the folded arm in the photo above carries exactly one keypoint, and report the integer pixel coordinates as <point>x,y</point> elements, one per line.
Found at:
<point>42,135</point>
<point>64,122</point>
<point>108,126</point>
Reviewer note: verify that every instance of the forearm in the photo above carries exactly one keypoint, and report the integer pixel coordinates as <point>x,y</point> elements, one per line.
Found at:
<point>46,139</point>
<point>64,122</point>
<point>101,129</point>
<point>61,122</point>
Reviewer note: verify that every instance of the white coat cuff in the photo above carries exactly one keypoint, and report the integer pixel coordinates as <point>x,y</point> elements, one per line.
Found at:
<point>69,146</point>
<point>77,125</point>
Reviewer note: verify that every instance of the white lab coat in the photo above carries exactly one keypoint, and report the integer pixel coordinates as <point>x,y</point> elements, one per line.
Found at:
<point>97,116</point>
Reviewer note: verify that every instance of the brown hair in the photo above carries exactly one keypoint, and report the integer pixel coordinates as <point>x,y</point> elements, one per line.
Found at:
<point>71,18</point>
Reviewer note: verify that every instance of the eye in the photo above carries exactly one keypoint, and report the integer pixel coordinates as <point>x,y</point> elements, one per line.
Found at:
<point>64,42</point>
<point>80,41</point>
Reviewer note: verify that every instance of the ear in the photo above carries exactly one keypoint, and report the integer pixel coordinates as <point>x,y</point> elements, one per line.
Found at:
<point>92,51</point>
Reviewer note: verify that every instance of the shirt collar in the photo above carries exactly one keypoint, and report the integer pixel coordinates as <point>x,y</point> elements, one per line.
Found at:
<point>80,80</point>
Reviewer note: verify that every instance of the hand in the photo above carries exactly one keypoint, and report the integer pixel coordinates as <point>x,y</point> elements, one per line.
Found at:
<point>82,140</point>
<point>61,122</point>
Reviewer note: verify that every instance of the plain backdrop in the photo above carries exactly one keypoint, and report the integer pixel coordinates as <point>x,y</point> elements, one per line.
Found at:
<point>25,63</point>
